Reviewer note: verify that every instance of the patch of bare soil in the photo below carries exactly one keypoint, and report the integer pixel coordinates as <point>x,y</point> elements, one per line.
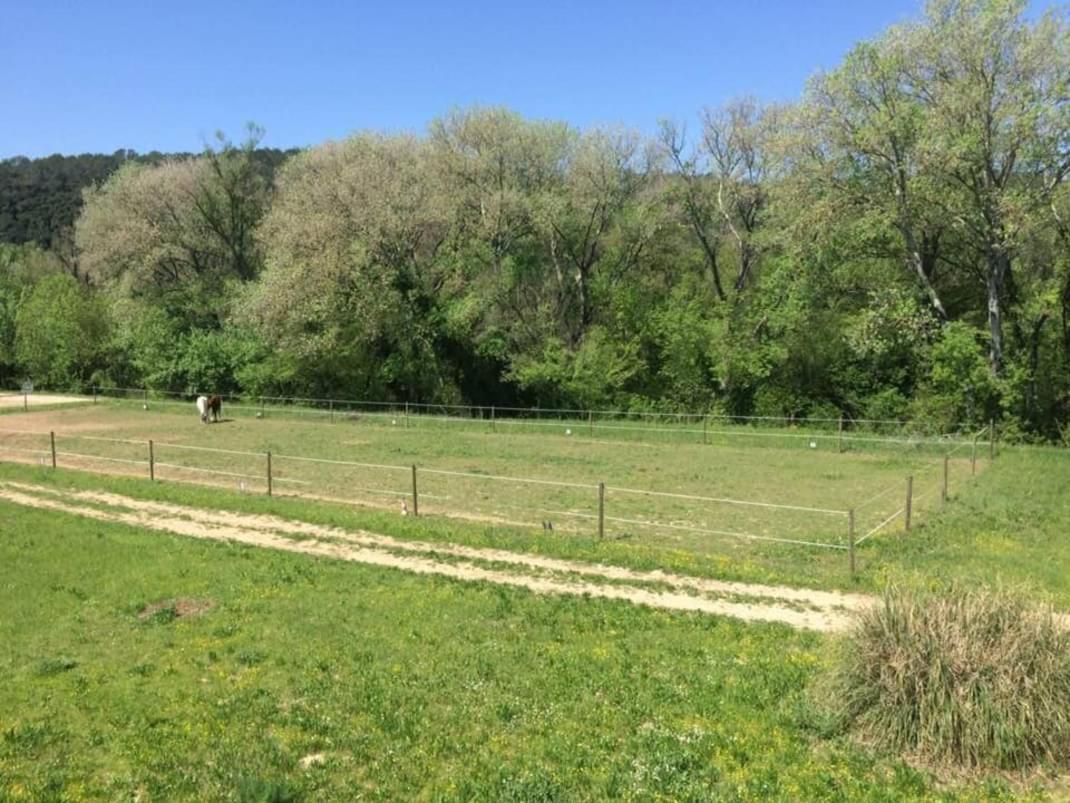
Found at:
<point>178,608</point>
<point>37,400</point>
<point>800,608</point>
<point>44,421</point>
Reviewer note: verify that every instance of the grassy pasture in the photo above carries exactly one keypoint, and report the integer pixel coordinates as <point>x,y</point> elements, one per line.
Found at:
<point>421,688</point>
<point>796,485</point>
<point>389,686</point>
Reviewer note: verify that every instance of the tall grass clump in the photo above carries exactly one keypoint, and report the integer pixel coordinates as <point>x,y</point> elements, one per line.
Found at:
<point>967,677</point>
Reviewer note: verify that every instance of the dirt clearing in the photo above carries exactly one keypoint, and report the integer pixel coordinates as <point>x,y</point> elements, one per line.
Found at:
<point>18,400</point>
<point>800,608</point>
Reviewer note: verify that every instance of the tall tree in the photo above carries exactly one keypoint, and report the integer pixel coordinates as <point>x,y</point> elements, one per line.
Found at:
<point>352,279</point>
<point>178,232</point>
<point>739,139</point>
<point>689,189</point>
<point>867,156</point>
<point>995,91</point>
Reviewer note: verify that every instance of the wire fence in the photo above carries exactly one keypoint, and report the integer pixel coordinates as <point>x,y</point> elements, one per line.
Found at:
<point>592,508</point>
<point>841,434</point>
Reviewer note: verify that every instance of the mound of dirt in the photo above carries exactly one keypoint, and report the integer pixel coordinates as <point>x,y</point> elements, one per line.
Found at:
<point>177,608</point>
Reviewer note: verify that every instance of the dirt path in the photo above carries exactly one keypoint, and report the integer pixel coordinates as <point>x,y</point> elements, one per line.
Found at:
<point>800,608</point>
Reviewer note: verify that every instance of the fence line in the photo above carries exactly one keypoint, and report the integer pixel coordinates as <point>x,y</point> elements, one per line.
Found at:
<point>98,438</point>
<point>881,526</point>
<point>875,497</point>
<point>341,462</point>
<point>748,536</point>
<point>204,449</point>
<point>507,408</point>
<point>600,517</point>
<point>26,451</point>
<point>257,477</point>
<point>399,409</point>
<point>928,464</point>
<point>537,410</point>
<point>727,501</point>
<point>101,457</point>
<point>473,475</point>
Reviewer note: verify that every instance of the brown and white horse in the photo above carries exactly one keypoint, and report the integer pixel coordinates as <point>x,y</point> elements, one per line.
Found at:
<point>210,408</point>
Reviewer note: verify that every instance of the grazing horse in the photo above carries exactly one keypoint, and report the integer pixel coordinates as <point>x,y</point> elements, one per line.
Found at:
<point>210,408</point>
<point>215,407</point>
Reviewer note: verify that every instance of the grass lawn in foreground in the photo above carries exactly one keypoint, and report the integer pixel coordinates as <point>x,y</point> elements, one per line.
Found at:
<point>392,686</point>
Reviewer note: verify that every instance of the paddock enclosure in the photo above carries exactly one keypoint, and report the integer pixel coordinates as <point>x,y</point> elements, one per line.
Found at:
<point>700,486</point>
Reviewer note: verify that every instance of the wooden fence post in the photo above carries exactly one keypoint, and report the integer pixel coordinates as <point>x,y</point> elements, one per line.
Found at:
<point>331,403</point>
<point>991,439</point>
<point>152,463</point>
<point>705,424</point>
<point>839,441</point>
<point>851,540</point>
<point>943,486</point>
<point>910,502</point>
<point>601,510</point>
<point>145,398</point>
<point>52,439</point>
<point>492,427</point>
<point>269,473</point>
<point>415,495</point>
<point>590,423</point>
<point>406,415</point>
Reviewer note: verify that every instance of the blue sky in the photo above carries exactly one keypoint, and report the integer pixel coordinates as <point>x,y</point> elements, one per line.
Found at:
<point>94,77</point>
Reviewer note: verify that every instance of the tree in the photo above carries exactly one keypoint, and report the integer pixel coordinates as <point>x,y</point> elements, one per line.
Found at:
<point>689,189</point>
<point>738,138</point>
<point>61,333</point>
<point>179,232</point>
<point>599,220</point>
<point>996,97</point>
<point>352,279</point>
<point>21,266</point>
<point>866,157</point>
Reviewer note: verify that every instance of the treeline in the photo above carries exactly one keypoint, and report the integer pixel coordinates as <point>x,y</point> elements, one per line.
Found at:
<point>41,198</point>
<point>895,244</point>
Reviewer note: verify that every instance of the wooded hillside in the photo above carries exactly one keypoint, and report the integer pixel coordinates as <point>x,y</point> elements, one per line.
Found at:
<point>894,244</point>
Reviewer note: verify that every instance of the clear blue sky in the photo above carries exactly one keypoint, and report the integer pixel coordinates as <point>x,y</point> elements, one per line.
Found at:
<point>94,76</point>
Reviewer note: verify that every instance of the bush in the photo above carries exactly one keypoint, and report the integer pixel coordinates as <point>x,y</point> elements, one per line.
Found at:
<point>963,676</point>
<point>960,389</point>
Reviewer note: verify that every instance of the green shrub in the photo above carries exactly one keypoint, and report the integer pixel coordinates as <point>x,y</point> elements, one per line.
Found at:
<point>961,676</point>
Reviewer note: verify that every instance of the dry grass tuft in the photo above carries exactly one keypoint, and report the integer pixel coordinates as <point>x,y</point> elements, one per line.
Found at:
<point>968,677</point>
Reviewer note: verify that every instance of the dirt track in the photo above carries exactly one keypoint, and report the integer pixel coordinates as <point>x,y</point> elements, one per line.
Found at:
<point>800,608</point>
<point>37,400</point>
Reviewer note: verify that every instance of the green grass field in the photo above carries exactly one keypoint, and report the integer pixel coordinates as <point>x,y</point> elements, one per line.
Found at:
<point>409,687</point>
<point>404,687</point>
<point>774,485</point>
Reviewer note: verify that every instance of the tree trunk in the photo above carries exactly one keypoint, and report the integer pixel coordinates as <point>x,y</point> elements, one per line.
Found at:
<point>998,264</point>
<point>918,263</point>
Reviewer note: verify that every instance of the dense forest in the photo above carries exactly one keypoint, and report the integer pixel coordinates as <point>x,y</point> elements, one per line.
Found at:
<point>894,244</point>
<point>40,199</point>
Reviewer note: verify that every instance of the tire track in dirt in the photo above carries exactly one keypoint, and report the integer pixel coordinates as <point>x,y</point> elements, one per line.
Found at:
<point>269,523</point>
<point>800,608</point>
